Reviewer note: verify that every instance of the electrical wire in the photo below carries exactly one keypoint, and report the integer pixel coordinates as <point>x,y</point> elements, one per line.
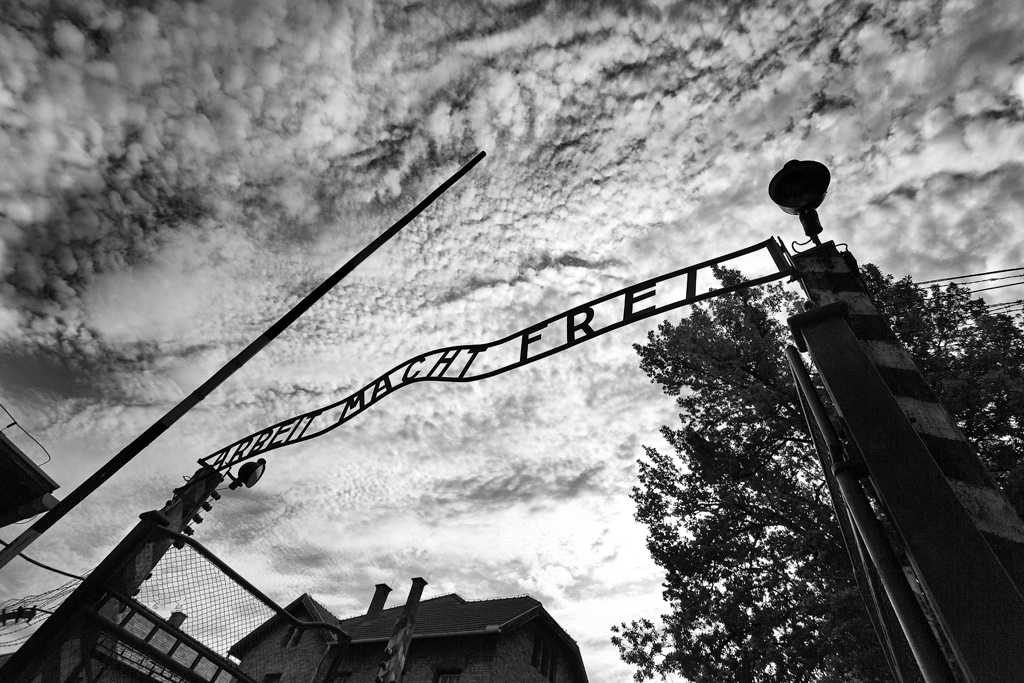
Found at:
<point>1006,303</point>
<point>46,566</point>
<point>988,279</point>
<point>1008,311</point>
<point>986,289</point>
<point>961,277</point>
<point>27,433</point>
<point>923,298</point>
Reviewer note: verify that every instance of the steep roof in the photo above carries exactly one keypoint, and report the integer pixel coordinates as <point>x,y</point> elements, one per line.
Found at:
<point>305,602</point>
<point>450,615</point>
<point>21,482</point>
<point>317,611</point>
<point>445,615</point>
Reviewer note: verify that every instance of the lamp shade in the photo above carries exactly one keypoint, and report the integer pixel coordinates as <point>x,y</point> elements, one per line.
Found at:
<point>249,473</point>
<point>800,186</point>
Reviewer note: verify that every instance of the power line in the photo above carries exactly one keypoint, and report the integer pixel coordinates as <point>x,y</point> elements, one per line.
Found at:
<point>45,566</point>
<point>925,298</point>
<point>986,289</point>
<point>961,277</point>
<point>1009,311</point>
<point>1005,304</point>
<point>988,279</point>
<point>27,433</point>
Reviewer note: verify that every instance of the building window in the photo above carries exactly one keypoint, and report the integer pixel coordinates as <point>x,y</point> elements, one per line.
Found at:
<point>544,659</point>
<point>447,676</point>
<point>538,652</point>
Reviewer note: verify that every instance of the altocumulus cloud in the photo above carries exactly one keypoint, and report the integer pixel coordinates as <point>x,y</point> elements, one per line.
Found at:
<point>175,175</point>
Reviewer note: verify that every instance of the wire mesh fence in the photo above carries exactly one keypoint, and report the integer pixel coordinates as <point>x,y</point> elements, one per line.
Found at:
<point>138,645</point>
<point>115,662</point>
<point>189,618</point>
<point>217,610</point>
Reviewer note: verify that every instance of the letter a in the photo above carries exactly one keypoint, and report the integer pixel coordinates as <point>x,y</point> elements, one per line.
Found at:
<point>382,387</point>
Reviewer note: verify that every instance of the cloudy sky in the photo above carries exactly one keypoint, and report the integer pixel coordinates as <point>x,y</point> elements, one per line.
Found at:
<point>174,176</point>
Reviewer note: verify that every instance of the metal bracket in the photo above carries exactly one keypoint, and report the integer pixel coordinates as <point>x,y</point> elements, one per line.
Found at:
<point>796,323</point>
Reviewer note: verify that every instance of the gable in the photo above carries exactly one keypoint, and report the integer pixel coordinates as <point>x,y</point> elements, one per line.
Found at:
<point>303,608</point>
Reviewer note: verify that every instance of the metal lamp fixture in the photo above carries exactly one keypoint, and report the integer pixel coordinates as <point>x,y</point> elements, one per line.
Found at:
<point>800,188</point>
<point>248,474</point>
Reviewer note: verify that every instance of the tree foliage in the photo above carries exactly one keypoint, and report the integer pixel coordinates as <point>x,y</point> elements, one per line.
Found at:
<point>758,584</point>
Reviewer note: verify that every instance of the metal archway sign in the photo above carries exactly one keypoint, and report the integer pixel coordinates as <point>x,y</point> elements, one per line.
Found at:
<point>472,362</point>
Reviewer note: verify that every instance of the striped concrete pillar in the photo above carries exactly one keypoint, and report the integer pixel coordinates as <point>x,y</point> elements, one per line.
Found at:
<point>829,276</point>
<point>964,540</point>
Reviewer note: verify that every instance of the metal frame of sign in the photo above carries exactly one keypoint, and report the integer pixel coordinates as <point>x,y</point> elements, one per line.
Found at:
<point>472,362</point>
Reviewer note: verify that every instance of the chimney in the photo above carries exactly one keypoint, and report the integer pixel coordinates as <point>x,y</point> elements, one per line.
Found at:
<point>393,666</point>
<point>177,619</point>
<point>416,591</point>
<point>380,596</point>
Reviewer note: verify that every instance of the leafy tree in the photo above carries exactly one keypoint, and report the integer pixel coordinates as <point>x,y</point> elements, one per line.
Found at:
<point>757,580</point>
<point>973,359</point>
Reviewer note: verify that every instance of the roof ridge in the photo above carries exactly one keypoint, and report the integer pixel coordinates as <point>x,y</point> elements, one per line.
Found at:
<point>508,597</point>
<point>388,609</point>
<point>319,605</point>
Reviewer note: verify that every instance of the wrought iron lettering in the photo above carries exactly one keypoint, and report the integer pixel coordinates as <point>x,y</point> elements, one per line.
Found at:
<point>471,362</point>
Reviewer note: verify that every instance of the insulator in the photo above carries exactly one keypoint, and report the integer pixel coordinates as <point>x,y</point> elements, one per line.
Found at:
<point>197,518</point>
<point>179,544</point>
<point>215,495</point>
<point>207,506</point>
<point>188,531</point>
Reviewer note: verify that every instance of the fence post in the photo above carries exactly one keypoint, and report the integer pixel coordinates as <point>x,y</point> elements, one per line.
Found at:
<point>55,650</point>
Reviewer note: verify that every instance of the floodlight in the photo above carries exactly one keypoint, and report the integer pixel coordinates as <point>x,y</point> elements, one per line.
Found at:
<point>800,188</point>
<point>248,474</point>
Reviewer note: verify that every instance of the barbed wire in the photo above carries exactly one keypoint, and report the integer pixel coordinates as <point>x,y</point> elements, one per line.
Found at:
<point>43,604</point>
<point>925,297</point>
<point>988,279</point>
<point>962,277</point>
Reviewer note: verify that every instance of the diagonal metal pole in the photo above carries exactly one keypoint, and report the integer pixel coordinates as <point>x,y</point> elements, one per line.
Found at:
<point>869,533</point>
<point>160,426</point>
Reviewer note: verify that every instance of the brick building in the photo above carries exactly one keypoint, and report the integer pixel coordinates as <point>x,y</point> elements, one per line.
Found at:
<point>504,640</point>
